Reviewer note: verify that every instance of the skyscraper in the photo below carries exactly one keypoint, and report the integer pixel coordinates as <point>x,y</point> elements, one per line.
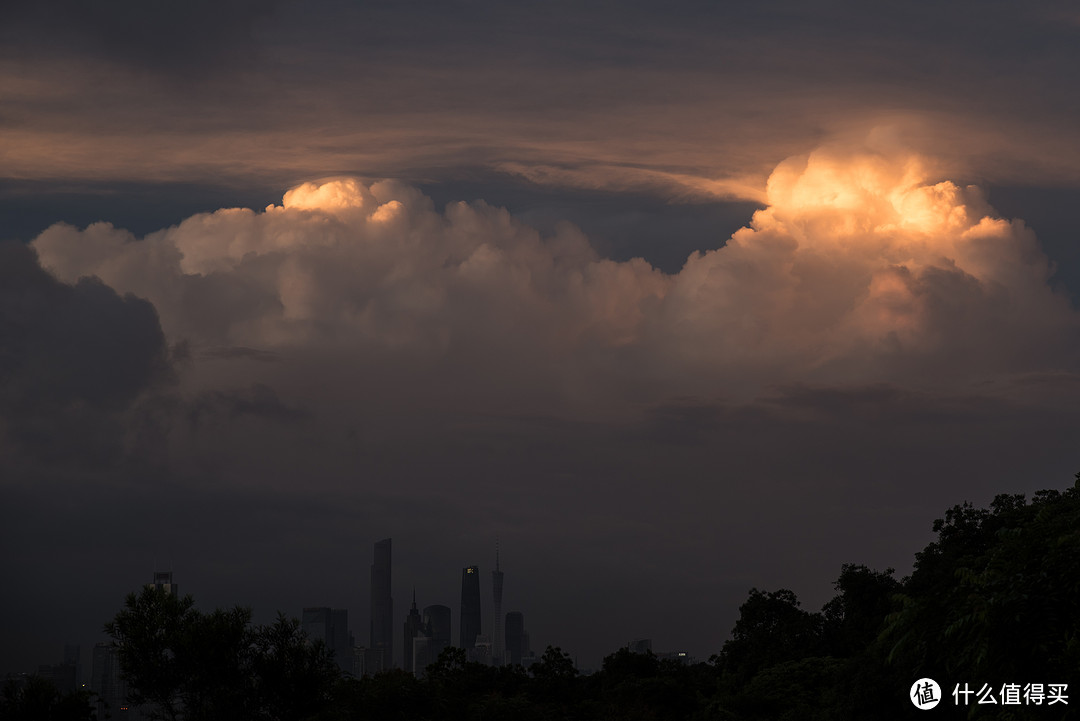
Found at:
<point>73,657</point>
<point>107,682</point>
<point>437,622</point>
<point>382,605</point>
<point>341,641</point>
<point>497,645</point>
<point>517,641</point>
<point>414,626</point>
<point>470,606</point>
<point>331,626</point>
<point>315,622</point>
<point>421,654</point>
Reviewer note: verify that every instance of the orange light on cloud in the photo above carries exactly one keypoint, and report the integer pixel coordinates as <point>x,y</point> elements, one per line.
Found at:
<point>861,264</point>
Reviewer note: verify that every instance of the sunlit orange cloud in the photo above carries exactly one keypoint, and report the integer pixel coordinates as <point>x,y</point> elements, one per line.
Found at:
<point>864,266</point>
<point>862,262</point>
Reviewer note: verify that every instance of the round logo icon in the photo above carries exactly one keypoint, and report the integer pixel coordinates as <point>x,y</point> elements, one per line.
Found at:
<point>925,694</point>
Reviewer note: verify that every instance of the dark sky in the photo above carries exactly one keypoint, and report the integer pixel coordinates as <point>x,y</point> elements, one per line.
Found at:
<point>672,300</point>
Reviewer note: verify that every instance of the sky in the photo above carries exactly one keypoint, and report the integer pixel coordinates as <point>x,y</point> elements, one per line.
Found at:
<point>669,301</point>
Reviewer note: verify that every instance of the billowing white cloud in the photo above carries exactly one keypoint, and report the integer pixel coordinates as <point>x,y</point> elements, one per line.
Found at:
<point>875,345</point>
<point>863,267</point>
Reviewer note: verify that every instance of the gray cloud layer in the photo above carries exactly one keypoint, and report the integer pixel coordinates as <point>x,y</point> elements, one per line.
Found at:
<point>871,337</point>
<point>360,362</point>
<point>74,357</point>
<point>698,102</point>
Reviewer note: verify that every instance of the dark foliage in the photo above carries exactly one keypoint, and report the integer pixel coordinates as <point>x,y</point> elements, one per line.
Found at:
<point>183,664</point>
<point>37,699</point>
<point>994,599</point>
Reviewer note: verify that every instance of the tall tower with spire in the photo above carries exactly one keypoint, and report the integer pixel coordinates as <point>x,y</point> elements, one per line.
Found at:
<point>498,647</point>
<point>414,626</point>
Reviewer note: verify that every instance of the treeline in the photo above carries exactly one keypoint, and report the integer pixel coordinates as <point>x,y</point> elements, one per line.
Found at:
<point>994,601</point>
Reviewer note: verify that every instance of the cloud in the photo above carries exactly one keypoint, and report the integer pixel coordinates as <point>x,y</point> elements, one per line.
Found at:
<point>259,400</point>
<point>273,92</point>
<point>144,37</point>
<point>373,272</point>
<point>875,345</point>
<point>673,186</point>
<point>864,267</point>
<point>73,359</point>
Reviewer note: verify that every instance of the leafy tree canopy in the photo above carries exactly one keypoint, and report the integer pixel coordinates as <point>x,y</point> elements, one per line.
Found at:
<point>182,664</point>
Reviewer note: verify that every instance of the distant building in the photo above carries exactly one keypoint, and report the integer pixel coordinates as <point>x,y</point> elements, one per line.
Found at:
<point>481,651</point>
<point>414,626</point>
<point>359,658</point>
<point>163,581</point>
<point>106,682</point>
<point>382,606</point>
<point>436,621</point>
<point>641,645</point>
<point>498,646</point>
<point>517,641</point>
<point>62,676</point>
<point>421,654</point>
<point>679,656</point>
<point>341,641</point>
<point>73,657</point>
<point>315,621</point>
<point>470,606</point>
<point>375,661</point>
<point>331,626</point>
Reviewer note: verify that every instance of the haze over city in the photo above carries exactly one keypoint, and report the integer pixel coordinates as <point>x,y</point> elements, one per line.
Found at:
<point>670,302</point>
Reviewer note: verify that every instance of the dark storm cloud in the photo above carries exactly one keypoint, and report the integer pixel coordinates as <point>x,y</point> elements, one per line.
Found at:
<point>857,357</point>
<point>885,402</point>
<point>240,352</point>
<point>608,520</point>
<point>71,357</point>
<point>259,400</point>
<point>844,354</point>
<point>177,38</point>
<point>698,101</point>
<point>67,344</point>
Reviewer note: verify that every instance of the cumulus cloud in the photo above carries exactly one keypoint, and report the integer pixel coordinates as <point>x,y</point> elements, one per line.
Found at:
<point>863,267</point>
<point>73,358</point>
<point>370,270</point>
<point>451,374</point>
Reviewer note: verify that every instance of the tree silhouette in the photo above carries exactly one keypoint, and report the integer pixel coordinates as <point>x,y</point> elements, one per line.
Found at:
<point>997,595</point>
<point>154,638</point>
<point>183,664</point>
<point>771,629</point>
<point>994,598</point>
<point>38,699</point>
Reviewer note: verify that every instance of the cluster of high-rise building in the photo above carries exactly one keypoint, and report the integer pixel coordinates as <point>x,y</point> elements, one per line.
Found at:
<point>425,633</point>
